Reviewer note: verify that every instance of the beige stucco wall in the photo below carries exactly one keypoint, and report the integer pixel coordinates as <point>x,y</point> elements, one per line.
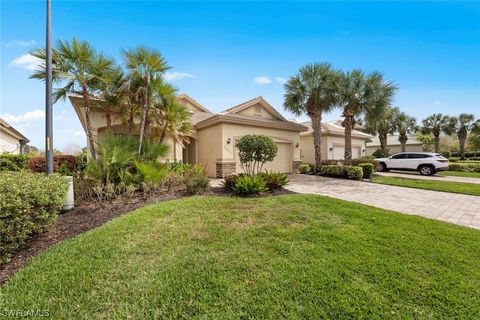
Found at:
<point>328,142</point>
<point>209,148</point>
<point>9,143</point>
<point>396,149</point>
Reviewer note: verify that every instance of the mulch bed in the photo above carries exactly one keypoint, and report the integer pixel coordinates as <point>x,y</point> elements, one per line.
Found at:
<point>88,215</point>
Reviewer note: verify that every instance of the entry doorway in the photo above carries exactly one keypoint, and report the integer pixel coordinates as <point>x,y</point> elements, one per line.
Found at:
<point>189,152</point>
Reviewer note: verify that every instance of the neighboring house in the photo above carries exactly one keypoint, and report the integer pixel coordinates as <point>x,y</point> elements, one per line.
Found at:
<point>412,145</point>
<point>212,142</point>
<point>12,141</point>
<point>333,142</point>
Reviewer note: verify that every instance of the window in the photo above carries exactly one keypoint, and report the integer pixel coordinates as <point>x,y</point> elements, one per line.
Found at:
<point>417,156</point>
<point>400,156</point>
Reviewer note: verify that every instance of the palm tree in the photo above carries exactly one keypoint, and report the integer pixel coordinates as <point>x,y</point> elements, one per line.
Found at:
<point>436,124</point>
<point>362,94</point>
<point>462,126</point>
<point>147,66</point>
<point>77,67</point>
<point>113,96</point>
<point>383,124</point>
<point>312,91</point>
<point>407,125</point>
<point>175,122</point>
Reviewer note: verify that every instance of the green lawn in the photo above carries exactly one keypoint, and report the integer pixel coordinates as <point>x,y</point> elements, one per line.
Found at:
<point>291,256</point>
<point>460,174</point>
<point>446,186</point>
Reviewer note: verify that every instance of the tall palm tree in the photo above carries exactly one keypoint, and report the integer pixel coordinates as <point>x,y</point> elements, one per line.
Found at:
<point>407,125</point>
<point>147,66</point>
<point>436,124</point>
<point>462,125</point>
<point>313,91</point>
<point>113,96</point>
<point>362,94</point>
<point>77,67</point>
<point>175,122</point>
<point>383,124</point>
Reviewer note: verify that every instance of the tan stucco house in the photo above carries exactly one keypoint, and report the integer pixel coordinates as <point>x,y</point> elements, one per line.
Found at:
<point>11,140</point>
<point>412,145</point>
<point>212,142</point>
<point>333,143</point>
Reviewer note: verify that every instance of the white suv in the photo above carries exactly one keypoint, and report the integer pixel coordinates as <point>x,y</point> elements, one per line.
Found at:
<point>424,162</point>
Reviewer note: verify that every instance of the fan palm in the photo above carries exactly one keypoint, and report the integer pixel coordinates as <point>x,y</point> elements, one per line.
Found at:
<point>407,125</point>
<point>312,91</point>
<point>175,122</point>
<point>436,124</point>
<point>113,96</point>
<point>462,125</point>
<point>77,67</point>
<point>383,124</point>
<point>146,68</point>
<point>362,94</point>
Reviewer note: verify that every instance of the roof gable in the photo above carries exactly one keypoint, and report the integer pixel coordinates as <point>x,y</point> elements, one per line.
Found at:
<point>191,104</point>
<point>257,107</point>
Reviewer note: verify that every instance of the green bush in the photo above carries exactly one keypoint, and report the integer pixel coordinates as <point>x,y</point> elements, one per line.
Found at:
<point>250,184</point>
<point>464,166</point>
<point>341,171</point>
<point>195,179</point>
<point>274,180</point>
<point>353,162</point>
<point>254,150</point>
<point>29,203</point>
<point>229,182</point>
<point>13,162</point>
<point>379,153</point>
<point>367,169</point>
<point>305,168</point>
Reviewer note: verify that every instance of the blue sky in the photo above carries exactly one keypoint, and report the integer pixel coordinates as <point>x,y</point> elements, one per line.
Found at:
<point>224,53</point>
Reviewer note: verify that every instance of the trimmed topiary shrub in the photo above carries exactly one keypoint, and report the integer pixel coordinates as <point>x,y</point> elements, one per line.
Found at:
<point>367,169</point>
<point>341,171</point>
<point>353,162</point>
<point>274,180</point>
<point>464,166</point>
<point>254,150</point>
<point>29,203</point>
<point>305,168</point>
<point>248,184</point>
<point>13,162</point>
<point>37,164</point>
<point>379,153</point>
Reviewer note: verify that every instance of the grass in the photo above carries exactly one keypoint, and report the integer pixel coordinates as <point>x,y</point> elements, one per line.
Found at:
<point>460,174</point>
<point>445,186</point>
<point>291,256</point>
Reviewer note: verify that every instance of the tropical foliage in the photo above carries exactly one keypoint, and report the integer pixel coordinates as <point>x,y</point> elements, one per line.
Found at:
<point>462,125</point>
<point>254,151</point>
<point>436,124</point>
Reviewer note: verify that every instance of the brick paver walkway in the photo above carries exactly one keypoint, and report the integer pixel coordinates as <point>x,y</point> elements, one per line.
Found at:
<point>454,208</point>
<point>416,175</point>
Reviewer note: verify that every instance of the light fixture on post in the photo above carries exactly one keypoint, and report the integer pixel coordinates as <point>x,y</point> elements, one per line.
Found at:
<point>229,141</point>
<point>297,145</point>
<point>331,149</point>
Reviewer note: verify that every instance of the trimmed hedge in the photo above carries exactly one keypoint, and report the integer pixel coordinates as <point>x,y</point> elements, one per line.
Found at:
<point>29,203</point>
<point>353,162</point>
<point>306,168</point>
<point>464,166</point>
<point>37,164</point>
<point>368,170</point>
<point>13,162</point>
<point>341,171</point>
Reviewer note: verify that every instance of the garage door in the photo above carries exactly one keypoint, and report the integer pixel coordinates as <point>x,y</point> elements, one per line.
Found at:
<point>281,163</point>
<point>339,152</point>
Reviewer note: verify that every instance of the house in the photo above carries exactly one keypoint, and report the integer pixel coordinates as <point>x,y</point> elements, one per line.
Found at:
<point>12,141</point>
<point>212,142</point>
<point>333,142</point>
<point>412,145</point>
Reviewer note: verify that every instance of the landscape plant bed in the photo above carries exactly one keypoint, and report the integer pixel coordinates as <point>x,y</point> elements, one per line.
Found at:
<point>445,186</point>
<point>292,256</point>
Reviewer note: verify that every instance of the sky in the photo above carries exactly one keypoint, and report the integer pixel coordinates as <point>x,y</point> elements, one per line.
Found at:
<point>224,53</point>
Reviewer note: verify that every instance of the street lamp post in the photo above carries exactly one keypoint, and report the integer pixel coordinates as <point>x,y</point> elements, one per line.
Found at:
<point>48,97</point>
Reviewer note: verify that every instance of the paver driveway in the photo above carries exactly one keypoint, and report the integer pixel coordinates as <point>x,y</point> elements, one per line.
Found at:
<point>454,208</point>
<point>416,175</point>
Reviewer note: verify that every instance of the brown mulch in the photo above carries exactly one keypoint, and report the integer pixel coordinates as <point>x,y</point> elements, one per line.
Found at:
<point>88,215</point>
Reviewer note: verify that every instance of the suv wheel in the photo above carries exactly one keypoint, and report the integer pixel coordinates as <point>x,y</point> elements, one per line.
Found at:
<point>426,170</point>
<point>382,167</point>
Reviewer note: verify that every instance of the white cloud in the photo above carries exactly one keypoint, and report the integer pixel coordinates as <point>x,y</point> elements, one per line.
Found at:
<point>178,75</point>
<point>262,80</point>
<point>437,103</point>
<point>281,80</point>
<point>25,117</point>
<point>27,61</point>
<point>19,43</point>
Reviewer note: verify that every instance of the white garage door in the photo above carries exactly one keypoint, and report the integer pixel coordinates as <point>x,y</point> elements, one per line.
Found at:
<point>281,163</point>
<point>339,152</point>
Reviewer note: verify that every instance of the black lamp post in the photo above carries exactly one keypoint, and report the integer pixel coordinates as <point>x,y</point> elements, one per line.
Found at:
<point>48,98</point>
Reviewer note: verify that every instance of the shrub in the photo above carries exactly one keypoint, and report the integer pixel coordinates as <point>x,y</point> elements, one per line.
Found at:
<point>29,203</point>
<point>37,164</point>
<point>254,150</point>
<point>367,169</point>
<point>195,179</point>
<point>341,171</point>
<point>274,180</point>
<point>379,153</point>
<point>453,159</point>
<point>305,168</point>
<point>464,166</point>
<point>229,182</point>
<point>352,162</point>
<point>248,184</point>
<point>13,162</point>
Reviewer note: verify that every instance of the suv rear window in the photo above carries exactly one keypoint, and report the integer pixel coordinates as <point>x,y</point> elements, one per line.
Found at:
<point>418,156</point>
<point>400,156</point>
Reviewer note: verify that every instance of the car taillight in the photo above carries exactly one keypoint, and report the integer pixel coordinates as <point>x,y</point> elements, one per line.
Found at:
<point>444,161</point>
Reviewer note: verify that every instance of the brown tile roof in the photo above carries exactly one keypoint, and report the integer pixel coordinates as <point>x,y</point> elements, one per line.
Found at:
<point>334,128</point>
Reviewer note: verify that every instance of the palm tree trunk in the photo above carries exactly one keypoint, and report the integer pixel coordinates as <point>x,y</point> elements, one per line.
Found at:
<point>348,123</point>
<point>88,121</point>
<point>382,136</point>
<point>403,141</point>
<point>108,118</point>
<point>130,123</point>
<point>142,124</point>
<point>317,140</point>
<point>162,135</point>
<point>437,143</point>
<point>462,139</point>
